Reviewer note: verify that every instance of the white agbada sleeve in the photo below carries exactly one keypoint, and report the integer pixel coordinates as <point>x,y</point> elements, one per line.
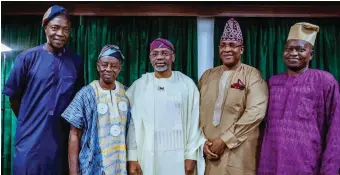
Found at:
<point>192,129</point>
<point>131,142</point>
<point>131,136</point>
<point>195,138</point>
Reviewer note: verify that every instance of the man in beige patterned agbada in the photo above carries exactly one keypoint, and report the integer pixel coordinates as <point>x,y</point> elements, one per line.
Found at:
<point>234,100</point>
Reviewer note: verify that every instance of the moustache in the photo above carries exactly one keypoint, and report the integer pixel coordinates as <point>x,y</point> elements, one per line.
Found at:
<point>160,62</point>
<point>226,52</point>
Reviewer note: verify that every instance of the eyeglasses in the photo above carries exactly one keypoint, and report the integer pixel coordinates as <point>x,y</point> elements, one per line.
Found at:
<point>232,46</point>
<point>163,53</point>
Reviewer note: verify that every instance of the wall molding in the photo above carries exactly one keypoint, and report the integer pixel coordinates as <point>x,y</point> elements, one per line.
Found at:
<point>201,9</point>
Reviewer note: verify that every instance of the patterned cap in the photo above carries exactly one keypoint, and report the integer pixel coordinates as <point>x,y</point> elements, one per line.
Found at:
<point>52,12</point>
<point>232,31</point>
<point>161,43</point>
<point>111,50</point>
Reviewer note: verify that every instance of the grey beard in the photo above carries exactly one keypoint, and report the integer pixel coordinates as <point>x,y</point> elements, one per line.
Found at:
<point>161,69</point>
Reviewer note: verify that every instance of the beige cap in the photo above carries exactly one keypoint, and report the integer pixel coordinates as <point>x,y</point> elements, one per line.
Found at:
<point>303,31</point>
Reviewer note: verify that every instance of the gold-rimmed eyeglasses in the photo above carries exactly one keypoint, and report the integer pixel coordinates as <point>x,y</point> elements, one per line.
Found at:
<point>231,46</point>
<point>163,53</point>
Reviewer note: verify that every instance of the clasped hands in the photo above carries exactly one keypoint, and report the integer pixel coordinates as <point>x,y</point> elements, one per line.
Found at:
<point>214,149</point>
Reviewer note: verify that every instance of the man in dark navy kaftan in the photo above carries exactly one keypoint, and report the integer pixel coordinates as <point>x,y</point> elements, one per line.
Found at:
<point>41,85</point>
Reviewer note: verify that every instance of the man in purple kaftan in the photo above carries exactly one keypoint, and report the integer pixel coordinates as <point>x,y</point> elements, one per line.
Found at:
<point>302,133</point>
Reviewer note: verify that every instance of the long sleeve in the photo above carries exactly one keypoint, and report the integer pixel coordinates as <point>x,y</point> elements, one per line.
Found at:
<point>331,156</point>
<point>131,135</point>
<point>131,142</point>
<point>17,80</point>
<point>193,132</point>
<point>256,106</point>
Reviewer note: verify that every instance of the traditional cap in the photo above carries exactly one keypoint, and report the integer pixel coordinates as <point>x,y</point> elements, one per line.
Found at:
<point>53,12</point>
<point>303,31</point>
<point>232,31</point>
<point>111,50</point>
<point>161,43</point>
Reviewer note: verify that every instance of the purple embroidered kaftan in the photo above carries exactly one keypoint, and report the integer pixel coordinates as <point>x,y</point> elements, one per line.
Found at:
<point>302,134</point>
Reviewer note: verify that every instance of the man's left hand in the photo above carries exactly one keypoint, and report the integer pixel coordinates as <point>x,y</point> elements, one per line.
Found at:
<point>190,166</point>
<point>218,146</point>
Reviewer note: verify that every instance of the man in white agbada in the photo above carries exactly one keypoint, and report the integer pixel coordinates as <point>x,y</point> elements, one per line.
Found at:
<point>164,137</point>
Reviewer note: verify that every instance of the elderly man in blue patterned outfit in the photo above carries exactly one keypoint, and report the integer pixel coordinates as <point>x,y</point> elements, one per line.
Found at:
<point>99,115</point>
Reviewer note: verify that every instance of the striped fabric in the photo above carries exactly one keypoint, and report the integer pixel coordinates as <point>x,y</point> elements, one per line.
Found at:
<point>103,149</point>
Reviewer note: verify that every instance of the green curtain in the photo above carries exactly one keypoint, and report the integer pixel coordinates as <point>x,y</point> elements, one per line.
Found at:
<point>264,40</point>
<point>8,119</point>
<point>88,35</point>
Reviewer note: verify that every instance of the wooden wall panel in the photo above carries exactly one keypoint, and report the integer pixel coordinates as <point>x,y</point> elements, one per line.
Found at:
<point>236,9</point>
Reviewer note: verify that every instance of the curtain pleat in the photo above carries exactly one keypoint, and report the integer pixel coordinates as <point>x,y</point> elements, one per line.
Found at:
<point>265,38</point>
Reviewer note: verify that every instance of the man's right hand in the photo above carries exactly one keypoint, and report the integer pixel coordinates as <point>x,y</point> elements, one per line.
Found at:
<point>134,168</point>
<point>210,155</point>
